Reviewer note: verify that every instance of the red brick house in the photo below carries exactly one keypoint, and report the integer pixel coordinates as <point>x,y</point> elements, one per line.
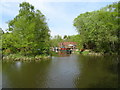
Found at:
<point>71,45</point>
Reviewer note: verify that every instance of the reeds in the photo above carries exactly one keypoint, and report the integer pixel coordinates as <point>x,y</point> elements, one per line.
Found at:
<point>16,57</point>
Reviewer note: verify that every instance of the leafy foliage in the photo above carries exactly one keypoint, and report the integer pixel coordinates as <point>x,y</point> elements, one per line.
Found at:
<point>99,30</point>
<point>74,38</point>
<point>67,38</point>
<point>55,40</point>
<point>29,32</point>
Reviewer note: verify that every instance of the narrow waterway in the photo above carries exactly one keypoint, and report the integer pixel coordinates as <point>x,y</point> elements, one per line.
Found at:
<point>71,71</point>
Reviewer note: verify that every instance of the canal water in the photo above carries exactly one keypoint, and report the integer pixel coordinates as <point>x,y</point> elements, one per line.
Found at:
<point>67,71</point>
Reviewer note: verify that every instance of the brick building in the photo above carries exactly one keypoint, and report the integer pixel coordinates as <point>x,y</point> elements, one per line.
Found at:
<point>71,45</point>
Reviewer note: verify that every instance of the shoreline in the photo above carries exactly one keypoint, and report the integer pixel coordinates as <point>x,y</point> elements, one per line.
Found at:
<point>93,53</point>
<point>16,57</point>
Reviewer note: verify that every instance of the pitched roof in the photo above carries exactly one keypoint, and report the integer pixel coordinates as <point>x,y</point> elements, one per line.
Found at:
<point>67,43</point>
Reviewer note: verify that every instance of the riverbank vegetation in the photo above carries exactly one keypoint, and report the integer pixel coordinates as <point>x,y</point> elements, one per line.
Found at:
<point>66,38</point>
<point>99,30</point>
<point>28,33</point>
<point>19,57</point>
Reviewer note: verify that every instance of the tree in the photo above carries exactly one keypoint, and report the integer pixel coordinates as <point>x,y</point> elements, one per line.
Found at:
<point>65,37</point>
<point>75,38</point>
<point>56,40</point>
<point>1,32</point>
<point>99,29</point>
<point>29,31</point>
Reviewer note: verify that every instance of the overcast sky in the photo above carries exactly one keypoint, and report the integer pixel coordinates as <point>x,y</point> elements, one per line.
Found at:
<point>59,13</point>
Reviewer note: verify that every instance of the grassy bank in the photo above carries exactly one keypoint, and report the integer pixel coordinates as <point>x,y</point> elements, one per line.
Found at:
<point>17,57</point>
<point>90,52</point>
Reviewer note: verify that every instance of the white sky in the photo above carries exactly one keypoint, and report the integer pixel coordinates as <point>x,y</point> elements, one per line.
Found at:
<point>59,13</point>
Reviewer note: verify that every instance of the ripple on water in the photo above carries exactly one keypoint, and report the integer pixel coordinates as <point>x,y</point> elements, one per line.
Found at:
<point>62,72</point>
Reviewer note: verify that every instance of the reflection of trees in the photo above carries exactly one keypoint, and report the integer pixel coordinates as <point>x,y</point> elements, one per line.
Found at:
<point>29,75</point>
<point>97,72</point>
<point>63,54</point>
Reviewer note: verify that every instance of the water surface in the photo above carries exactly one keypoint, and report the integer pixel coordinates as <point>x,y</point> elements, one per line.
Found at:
<point>71,71</point>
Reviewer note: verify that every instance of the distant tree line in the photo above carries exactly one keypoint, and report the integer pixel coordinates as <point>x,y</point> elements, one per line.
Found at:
<point>66,38</point>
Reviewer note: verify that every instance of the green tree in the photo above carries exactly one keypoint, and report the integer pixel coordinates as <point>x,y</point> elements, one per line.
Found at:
<point>75,38</point>
<point>65,37</point>
<point>1,32</point>
<point>99,29</point>
<point>29,31</point>
<point>55,41</point>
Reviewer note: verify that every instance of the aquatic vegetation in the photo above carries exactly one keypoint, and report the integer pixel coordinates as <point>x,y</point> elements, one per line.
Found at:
<point>17,57</point>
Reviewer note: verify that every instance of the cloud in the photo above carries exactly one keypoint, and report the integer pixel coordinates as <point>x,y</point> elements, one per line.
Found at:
<point>9,8</point>
<point>60,0</point>
<point>58,18</point>
<point>64,32</point>
<point>8,11</point>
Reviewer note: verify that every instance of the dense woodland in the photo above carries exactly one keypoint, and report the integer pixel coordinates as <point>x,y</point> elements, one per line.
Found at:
<point>100,30</point>
<point>29,34</point>
<point>67,38</point>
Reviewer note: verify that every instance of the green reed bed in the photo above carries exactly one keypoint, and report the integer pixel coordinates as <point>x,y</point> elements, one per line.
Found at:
<point>17,57</point>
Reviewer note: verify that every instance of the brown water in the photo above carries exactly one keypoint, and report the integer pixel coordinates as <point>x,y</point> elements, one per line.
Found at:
<point>74,71</point>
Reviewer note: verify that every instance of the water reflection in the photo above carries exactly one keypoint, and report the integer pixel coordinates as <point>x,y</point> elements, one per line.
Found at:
<point>97,72</point>
<point>62,72</point>
<point>74,71</point>
<point>31,75</point>
<point>18,64</point>
<point>63,54</point>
